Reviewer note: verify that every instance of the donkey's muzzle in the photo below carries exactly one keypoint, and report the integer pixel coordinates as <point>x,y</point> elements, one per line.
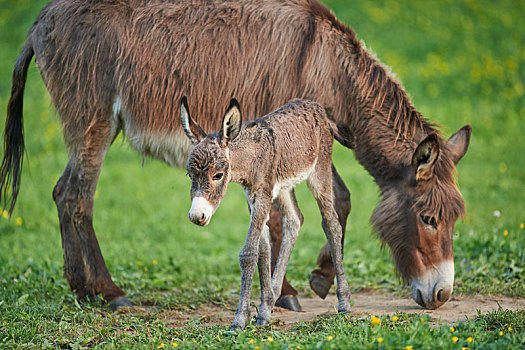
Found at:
<point>434,288</point>
<point>201,211</point>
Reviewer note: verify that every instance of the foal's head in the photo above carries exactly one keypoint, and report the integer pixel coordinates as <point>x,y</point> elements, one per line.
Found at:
<point>209,162</point>
<point>416,217</point>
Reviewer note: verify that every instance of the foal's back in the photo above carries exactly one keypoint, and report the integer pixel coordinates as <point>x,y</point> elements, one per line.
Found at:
<point>293,136</point>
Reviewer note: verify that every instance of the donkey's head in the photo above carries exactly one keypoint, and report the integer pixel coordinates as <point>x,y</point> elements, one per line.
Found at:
<point>209,162</point>
<point>416,217</point>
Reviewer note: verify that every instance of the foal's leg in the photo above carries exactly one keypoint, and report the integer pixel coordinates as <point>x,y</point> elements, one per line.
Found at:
<point>292,220</point>
<point>322,191</point>
<point>265,277</point>
<point>288,297</point>
<point>84,266</point>
<point>322,279</point>
<point>249,255</point>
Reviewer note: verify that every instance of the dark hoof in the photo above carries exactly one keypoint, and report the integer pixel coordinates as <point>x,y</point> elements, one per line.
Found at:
<point>261,322</point>
<point>320,284</point>
<point>289,302</point>
<point>118,302</point>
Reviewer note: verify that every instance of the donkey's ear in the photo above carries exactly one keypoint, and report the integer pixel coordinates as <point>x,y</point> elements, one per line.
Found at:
<point>191,129</point>
<point>459,142</point>
<point>231,124</point>
<point>425,156</point>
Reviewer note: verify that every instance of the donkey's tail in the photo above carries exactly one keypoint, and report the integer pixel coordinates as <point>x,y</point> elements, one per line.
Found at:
<point>11,168</point>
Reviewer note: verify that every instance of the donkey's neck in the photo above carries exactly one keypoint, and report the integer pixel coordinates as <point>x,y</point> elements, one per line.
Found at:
<point>384,125</point>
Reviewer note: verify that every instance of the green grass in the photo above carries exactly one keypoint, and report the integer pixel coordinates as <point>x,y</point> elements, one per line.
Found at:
<point>462,62</point>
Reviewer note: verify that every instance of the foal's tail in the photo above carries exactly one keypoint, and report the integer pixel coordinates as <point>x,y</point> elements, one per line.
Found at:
<point>11,168</point>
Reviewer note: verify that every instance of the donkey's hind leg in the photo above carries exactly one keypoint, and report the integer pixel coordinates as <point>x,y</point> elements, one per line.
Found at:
<point>322,191</point>
<point>84,266</point>
<point>322,279</point>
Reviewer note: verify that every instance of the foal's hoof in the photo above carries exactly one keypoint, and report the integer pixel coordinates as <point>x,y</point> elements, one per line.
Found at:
<point>236,327</point>
<point>320,284</point>
<point>118,302</point>
<point>261,322</point>
<point>289,302</point>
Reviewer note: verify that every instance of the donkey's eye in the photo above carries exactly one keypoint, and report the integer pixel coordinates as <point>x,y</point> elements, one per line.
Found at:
<point>217,176</point>
<point>429,221</point>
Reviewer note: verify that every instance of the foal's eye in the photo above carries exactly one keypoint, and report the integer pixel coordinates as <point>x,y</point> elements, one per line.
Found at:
<point>429,220</point>
<point>217,176</point>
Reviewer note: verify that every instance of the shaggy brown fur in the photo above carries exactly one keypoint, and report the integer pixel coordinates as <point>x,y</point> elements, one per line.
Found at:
<point>124,64</point>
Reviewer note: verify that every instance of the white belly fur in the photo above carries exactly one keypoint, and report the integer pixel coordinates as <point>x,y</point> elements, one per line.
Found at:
<point>173,149</point>
<point>288,184</point>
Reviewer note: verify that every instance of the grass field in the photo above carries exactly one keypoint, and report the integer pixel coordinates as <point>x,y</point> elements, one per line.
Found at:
<point>461,62</point>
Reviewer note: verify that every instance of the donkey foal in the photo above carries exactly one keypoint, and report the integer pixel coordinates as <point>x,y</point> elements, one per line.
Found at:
<point>268,157</point>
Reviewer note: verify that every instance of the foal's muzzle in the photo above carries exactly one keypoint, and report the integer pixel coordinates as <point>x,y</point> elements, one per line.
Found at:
<point>201,211</point>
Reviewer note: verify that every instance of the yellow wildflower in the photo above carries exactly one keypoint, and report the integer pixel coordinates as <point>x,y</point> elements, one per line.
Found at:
<point>160,346</point>
<point>522,225</point>
<point>500,333</point>
<point>375,321</point>
<point>408,347</point>
<point>379,340</point>
<point>422,320</point>
<point>257,347</point>
<point>155,262</point>
<point>329,338</point>
<point>455,339</point>
<point>298,347</point>
<point>452,329</point>
<point>506,233</point>
<point>251,341</point>
<point>469,339</point>
<point>395,318</point>
<point>175,345</point>
<point>19,221</point>
<point>5,214</point>
<point>270,339</point>
<point>510,329</point>
<point>464,348</point>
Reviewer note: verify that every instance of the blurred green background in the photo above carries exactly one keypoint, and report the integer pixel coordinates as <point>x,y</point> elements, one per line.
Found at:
<point>460,61</point>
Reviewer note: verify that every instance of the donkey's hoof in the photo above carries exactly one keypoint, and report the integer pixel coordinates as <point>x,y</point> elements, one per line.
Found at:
<point>119,302</point>
<point>320,284</point>
<point>289,302</point>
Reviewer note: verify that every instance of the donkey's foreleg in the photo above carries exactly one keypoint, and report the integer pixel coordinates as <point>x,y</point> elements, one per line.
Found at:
<point>265,277</point>
<point>322,279</point>
<point>292,220</point>
<point>84,266</point>
<point>249,256</point>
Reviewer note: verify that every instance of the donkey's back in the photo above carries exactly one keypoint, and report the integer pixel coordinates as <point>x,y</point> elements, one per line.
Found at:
<point>134,60</point>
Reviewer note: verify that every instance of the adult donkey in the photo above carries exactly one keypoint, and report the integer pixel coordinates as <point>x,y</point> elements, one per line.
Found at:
<point>123,65</point>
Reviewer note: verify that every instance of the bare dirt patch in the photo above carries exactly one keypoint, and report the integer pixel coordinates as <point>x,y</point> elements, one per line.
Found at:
<point>459,308</point>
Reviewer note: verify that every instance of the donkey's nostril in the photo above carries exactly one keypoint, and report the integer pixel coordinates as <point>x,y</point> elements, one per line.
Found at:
<point>443,294</point>
<point>419,298</point>
<point>203,217</point>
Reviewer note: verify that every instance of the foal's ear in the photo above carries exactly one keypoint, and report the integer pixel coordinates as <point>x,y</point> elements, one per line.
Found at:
<point>425,156</point>
<point>191,129</point>
<point>459,142</point>
<point>231,124</point>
